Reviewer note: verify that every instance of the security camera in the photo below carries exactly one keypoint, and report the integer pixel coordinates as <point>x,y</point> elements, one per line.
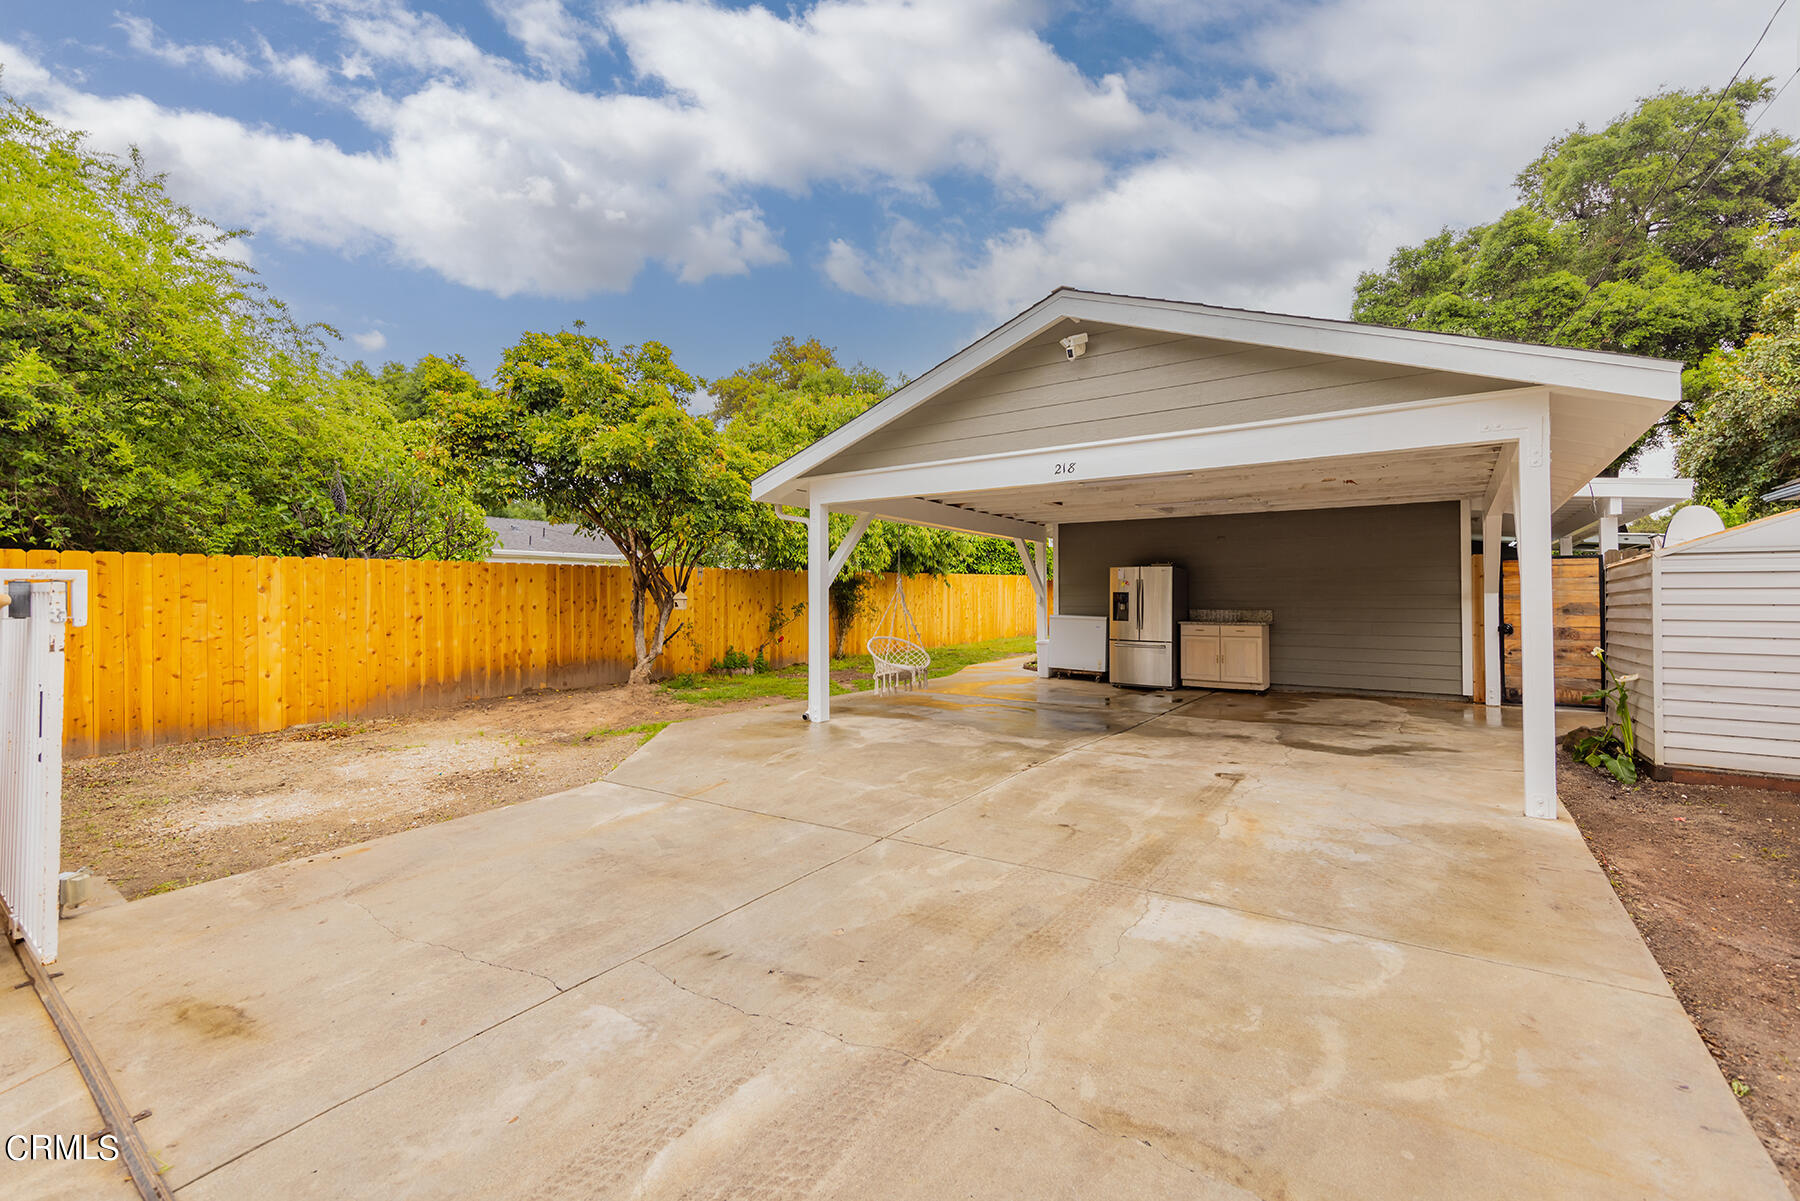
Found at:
<point>1075,345</point>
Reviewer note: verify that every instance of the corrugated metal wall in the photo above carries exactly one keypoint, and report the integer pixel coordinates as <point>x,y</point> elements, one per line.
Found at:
<point>1365,599</point>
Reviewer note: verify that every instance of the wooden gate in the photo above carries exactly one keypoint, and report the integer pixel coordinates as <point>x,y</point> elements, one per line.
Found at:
<point>1575,596</point>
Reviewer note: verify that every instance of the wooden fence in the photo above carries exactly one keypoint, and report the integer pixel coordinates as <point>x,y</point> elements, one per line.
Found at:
<point>183,647</point>
<point>1575,602</point>
<point>1575,598</point>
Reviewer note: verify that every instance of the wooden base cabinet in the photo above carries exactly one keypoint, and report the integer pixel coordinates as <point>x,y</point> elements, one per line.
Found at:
<point>1224,656</point>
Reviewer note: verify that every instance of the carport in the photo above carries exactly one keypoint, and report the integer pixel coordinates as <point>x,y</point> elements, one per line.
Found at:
<point>1094,425</point>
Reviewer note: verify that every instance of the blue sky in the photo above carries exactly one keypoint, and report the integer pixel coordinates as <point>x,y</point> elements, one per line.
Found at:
<point>892,176</point>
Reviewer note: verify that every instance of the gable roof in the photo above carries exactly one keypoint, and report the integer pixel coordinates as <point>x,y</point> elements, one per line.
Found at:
<point>1587,370</point>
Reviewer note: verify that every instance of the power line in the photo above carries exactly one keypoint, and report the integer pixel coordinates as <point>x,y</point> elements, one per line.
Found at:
<point>1700,188</point>
<point>1748,130</point>
<point>1723,92</point>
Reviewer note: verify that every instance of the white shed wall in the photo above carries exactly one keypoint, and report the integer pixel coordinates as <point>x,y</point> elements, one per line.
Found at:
<point>1631,642</point>
<point>1730,628</point>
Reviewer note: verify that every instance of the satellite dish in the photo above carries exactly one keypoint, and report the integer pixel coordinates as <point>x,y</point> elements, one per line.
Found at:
<point>1695,521</point>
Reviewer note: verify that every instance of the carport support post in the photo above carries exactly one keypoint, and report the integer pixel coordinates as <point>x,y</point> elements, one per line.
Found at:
<point>1490,605</point>
<point>1031,557</point>
<point>1531,517</point>
<point>818,614</point>
<point>1609,525</point>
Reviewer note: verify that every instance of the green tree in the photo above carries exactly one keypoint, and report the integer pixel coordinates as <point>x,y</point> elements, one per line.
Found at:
<point>777,420</point>
<point>152,398</point>
<point>1744,437</point>
<point>790,366</point>
<point>604,436</point>
<point>1655,236</point>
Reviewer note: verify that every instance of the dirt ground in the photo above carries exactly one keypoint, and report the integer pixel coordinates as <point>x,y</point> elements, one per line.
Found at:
<point>176,815</point>
<point>1711,875</point>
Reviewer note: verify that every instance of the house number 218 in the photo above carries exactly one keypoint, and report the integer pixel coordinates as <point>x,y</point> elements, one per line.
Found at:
<point>1064,469</point>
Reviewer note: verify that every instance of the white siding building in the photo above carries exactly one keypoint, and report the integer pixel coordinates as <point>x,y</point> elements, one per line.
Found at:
<point>1713,628</point>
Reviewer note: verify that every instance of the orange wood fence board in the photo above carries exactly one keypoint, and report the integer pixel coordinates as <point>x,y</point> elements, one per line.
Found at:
<point>182,647</point>
<point>1575,585</point>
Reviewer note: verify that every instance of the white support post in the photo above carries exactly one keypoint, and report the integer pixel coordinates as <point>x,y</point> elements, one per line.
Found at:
<point>1609,524</point>
<point>818,614</point>
<point>1537,624</point>
<point>1463,569</point>
<point>1055,545</point>
<point>1490,607</point>
<point>1040,587</point>
<point>1043,610</point>
<point>1566,546</point>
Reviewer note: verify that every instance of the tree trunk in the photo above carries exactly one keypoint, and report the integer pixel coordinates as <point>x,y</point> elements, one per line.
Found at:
<point>641,668</point>
<point>649,647</point>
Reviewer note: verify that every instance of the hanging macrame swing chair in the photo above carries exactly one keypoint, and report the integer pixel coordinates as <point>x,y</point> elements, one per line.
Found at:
<point>900,663</point>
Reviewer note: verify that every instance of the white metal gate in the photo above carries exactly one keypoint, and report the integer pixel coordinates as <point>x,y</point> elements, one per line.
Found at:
<point>33,611</point>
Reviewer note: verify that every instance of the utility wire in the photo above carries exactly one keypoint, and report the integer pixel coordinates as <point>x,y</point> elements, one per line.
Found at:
<point>1723,92</point>
<point>1687,258</point>
<point>1700,189</point>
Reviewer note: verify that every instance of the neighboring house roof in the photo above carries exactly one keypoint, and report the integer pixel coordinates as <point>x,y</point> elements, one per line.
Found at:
<point>1788,491</point>
<point>548,542</point>
<point>1600,376</point>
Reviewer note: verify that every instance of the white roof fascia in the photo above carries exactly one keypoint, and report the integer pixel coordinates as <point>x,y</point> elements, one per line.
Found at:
<point>1657,380</point>
<point>1640,487</point>
<point>501,554</point>
<point>970,359</point>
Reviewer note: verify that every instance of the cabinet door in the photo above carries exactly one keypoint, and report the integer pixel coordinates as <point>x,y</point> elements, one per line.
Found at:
<point>1200,658</point>
<point>1241,660</point>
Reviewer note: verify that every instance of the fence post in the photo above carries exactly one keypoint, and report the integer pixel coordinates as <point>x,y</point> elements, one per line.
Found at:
<point>33,647</point>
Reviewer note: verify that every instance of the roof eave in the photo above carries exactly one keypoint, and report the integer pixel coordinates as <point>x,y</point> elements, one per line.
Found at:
<point>1646,379</point>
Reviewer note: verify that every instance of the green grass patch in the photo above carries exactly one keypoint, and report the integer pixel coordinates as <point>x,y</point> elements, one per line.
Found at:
<point>700,688</point>
<point>649,730</point>
<point>948,659</point>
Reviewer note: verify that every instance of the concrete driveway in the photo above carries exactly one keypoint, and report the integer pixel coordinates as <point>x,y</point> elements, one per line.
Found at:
<point>1006,938</point>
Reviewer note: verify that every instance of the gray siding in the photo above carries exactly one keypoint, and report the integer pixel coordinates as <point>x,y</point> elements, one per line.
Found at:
<point>1630,642</point>
<point>1132,382</point>
<point>1365,599</point>
<point>1731,656</point>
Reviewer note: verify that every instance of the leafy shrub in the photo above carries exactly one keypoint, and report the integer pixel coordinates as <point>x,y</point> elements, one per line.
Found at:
<point>1614,748</point>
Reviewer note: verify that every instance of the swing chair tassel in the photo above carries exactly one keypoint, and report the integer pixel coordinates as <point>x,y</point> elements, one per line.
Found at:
<point>899,662</point>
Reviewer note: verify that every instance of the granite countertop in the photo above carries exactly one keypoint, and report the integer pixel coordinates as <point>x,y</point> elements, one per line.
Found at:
<point>1233,617</point>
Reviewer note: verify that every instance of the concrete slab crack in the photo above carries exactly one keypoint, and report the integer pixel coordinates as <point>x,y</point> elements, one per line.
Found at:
<point>926,1064</point>
<point>1102,969</point>
<point>444,946</point>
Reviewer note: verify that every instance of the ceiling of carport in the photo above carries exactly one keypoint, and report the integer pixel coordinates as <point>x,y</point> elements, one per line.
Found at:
<point>1411,477</point>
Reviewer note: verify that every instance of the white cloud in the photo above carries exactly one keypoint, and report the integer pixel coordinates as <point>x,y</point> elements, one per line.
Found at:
<point>882,90</point>
<point>503,179</point>
<point>300,71</point>
<point>1364,125</point>
<point>554,40</point>
<point>142,37</point>
<point>369,341</point>
<point>1261,156</point>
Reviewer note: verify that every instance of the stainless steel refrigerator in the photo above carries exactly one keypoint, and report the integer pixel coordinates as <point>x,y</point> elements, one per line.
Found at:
<point>1147,602</point>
